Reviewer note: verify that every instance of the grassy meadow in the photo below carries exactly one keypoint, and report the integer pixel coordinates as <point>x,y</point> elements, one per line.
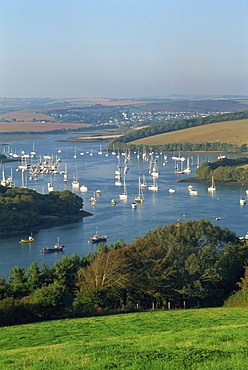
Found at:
<point>232,132</point>
<point>213,338</point>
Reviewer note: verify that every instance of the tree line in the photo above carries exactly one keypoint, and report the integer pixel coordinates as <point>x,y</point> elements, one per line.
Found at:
<point>224,169</point>
<point>182,265</point>
<point>174,126</point>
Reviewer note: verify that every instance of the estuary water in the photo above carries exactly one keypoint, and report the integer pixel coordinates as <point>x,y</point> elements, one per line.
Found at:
<point>95,168</point>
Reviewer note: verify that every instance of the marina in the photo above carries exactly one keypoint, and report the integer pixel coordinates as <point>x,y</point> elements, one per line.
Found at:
<point>93,170</point>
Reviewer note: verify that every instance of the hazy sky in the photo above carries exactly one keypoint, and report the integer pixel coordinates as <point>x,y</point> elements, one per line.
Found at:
<point>123,48</point>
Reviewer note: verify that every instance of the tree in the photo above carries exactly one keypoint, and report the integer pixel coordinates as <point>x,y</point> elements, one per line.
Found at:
<point>148,272</point>
<point>17,287</point>
<point>51,301</point>
<point>34,277</point>
<point>99,279</point>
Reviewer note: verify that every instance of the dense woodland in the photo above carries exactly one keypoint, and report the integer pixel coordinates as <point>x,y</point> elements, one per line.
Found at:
<point>180,125</point>
<point>28,209</point>
<point>224,169</point>
<point>195,147</point>
<point>183,265</point>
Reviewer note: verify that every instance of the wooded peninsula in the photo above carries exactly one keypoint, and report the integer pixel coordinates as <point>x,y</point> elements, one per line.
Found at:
<point>23,209</point>
<point>224,169</point>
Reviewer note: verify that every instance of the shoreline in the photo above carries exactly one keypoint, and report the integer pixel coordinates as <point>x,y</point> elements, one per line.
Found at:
<point>197,180</point>
<point>46,222</point>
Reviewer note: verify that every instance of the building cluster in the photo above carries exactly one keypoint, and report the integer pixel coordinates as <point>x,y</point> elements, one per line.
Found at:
<point>128,117</point>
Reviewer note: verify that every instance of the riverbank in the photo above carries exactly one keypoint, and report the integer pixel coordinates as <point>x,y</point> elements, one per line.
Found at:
<point>46,222</point>
<point>202,181</point>
<point>96,138</point>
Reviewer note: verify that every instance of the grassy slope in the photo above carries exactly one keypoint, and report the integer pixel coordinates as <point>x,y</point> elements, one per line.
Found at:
<point>213,338</point>
<point>233,132</point>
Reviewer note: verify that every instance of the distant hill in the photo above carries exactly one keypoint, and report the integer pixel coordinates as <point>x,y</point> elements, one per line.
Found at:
<point>233,132</point>
<point>215,105</point>
<point>225,132</point>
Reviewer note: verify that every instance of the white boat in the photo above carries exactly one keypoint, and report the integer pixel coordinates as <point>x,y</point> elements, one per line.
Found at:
<point>123,196</point>
<point>140,198</point>
<point>75,182</point>
<point>187,169</point>
<point>171,190</point>
<point>83,188</point>
<point>50,187</point>
<point>179,171</point>
<point>154,186</point>
<point>212,187</point>
<point>242,201</point>
<point>93,198</point>
<point>75,153</point>
<point>100,151</point>
<point>98,192</point>
<point>118,182</point>
<point>134,205</point>
<point>179,158</point>
<point>193,192</point>
<point>154,171</point>
<point>190,187</point>
<point>143,185</point>
<point>221,156</point>
<point>65,175</point>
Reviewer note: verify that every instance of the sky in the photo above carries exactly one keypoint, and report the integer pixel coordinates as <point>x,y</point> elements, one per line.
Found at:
<point>123,48</point>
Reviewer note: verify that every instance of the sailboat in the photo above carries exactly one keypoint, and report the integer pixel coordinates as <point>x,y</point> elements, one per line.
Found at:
<point>50,185</point>
<point>212,187</point>
<point>140,198</point>
<point>242,200</point>
<point>33,153</point>
<point>177,170</point>
<point>75,153</point>
<point>187,169</point>
<point>118,182</point>
<point>154,171</point>
<point>65,175</point>
<point>75,182</point>
<point>143,185</point>
<point>154,185</point>
<point>123,196</point>
<point>93,198</point>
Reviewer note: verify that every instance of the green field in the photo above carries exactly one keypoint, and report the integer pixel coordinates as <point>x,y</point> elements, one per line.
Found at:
<point>213,338</point>
<point>232,132</point>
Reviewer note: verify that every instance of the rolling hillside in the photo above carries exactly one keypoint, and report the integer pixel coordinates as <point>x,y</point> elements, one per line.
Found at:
<point>233,132</point>
<point>199,339</point>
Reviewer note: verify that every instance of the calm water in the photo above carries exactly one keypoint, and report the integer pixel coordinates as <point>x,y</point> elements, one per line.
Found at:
<point>120,221</point>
